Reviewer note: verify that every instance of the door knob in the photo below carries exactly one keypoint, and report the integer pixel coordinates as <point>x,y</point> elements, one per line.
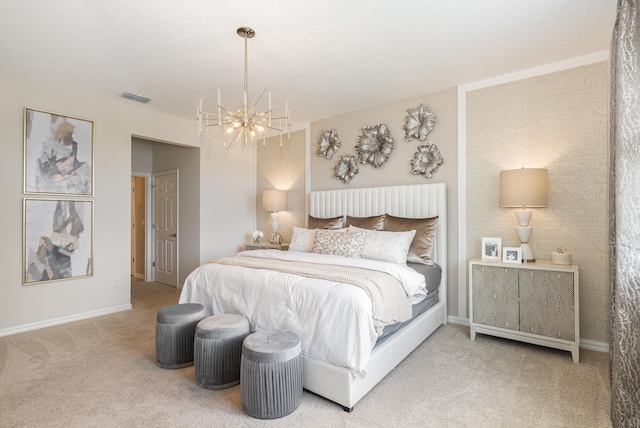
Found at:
<point>174,235</point>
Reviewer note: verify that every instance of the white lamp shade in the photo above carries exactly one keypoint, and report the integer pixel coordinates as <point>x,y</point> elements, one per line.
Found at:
<point>274,200</point>
<point>524,187</point>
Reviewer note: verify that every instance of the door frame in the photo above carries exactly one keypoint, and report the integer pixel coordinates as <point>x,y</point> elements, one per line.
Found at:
<point>148,225</point>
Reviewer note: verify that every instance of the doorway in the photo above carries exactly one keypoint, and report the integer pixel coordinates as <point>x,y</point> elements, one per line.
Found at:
<point>138,226</point>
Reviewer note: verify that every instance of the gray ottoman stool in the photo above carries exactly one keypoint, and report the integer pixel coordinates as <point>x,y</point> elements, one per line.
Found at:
<point>175,329</point>
<point>271,374</point>
<point>217,350</point>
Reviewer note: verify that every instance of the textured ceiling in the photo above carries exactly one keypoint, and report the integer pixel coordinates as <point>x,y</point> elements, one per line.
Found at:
<point>326,57</point>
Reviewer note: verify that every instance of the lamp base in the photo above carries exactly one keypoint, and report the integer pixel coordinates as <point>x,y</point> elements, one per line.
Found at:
<point>527,253</point>
<point>276,238</point>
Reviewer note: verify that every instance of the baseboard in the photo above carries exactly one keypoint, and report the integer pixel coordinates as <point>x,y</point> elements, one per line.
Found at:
<point>459,321</point>
<point>63,320</point>
<point>591,345</point>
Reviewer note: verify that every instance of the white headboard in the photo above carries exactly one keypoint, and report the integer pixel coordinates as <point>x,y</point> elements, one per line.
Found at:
<point>413,201</point>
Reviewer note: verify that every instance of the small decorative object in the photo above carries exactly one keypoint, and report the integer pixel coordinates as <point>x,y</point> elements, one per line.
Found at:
<point>328,144</point>
<point>561,257</point>
<point>418,123</point>
<point>374,145</point>
<point>58,154</point>
<point>511,255</point>
<point>426,160</point>
<point>58,240</point>
<point>256,235</point>
<point>274,201</point>
<point>491,248</point>
<point>346,169</point>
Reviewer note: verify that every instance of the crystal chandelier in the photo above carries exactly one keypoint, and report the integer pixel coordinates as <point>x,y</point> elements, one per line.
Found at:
<point>245,124</point>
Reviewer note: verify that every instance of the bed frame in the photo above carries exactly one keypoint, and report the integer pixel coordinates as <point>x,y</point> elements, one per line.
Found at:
<point>416,201</point>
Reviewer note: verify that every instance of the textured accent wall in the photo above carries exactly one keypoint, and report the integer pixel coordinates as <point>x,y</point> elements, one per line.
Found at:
<point>557,121</point>
<point>283,168</point>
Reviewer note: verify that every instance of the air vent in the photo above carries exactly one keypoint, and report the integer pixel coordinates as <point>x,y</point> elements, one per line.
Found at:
<point>136,98</point>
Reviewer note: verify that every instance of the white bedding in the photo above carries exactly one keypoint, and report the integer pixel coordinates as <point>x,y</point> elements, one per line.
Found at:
<point>333,320</point>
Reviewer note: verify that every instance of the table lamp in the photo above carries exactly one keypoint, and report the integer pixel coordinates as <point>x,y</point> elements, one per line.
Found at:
<point>274,201</point>
<point>524,188</point>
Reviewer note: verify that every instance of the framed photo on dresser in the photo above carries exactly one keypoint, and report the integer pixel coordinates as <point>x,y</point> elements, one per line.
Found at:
<point>491,248</point>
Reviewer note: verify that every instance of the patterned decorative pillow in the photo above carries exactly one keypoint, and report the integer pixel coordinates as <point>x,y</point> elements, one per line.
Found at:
<point>386,246</point>
<point>422,245</point>
<point>302,239</point>
<point>325,223</point>
<point>375,222</point>
<point>346,244</point>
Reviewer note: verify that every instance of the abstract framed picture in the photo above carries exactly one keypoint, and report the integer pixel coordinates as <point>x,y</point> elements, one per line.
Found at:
<point>491,248</point>
<point>511,255</point>
<point>58,154</point>
<point>58,239</point>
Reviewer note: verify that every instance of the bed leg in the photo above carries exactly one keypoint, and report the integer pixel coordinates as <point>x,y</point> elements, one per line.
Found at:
<point>347,409</point>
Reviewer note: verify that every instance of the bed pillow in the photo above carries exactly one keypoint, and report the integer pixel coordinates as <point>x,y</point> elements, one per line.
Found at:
<point>422,245</point>
<point>375,222</point>
<point>302,239</point>
<point>325,223</point>
<point>338,243</point>
<point>386,246</point>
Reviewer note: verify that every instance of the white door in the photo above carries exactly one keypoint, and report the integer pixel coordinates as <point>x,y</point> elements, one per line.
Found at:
<point>166,227</point>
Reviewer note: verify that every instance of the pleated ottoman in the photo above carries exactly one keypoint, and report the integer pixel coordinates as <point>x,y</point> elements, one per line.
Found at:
<point>217,350</point>
<point>175,330</point>
<point>271,374</point>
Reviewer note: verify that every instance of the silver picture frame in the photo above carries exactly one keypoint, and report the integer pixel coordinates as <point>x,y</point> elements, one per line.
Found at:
<point>58,154</point>
<point>58,239</point>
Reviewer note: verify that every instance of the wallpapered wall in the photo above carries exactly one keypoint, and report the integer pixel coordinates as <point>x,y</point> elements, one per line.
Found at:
<point>557,121</point>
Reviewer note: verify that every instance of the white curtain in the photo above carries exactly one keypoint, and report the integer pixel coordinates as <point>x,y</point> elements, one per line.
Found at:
<point>625,215</point>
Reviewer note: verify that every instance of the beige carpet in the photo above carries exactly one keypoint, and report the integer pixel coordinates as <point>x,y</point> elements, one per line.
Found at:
<point>101,373</point>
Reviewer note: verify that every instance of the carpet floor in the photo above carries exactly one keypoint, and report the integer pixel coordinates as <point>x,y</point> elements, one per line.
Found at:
<point>101,372</point>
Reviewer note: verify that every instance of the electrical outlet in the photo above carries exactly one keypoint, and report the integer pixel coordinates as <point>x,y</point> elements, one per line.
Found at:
<point>116,281</point>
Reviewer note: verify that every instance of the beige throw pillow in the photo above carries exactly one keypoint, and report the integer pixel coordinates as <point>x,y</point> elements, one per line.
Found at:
<point>338,243</point>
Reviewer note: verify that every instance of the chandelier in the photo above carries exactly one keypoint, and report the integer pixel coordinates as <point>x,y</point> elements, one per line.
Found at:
<point>246,124</point>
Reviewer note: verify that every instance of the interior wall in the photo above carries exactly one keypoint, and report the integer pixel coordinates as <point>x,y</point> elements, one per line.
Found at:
<point>282,168</point>
<point>396,170</point>
<point>557,121</point>
<point>226,211</point>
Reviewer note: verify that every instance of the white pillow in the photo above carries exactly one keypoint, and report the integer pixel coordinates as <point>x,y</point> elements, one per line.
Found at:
<point>302,239</point>
<point>338,243</point>
<point>386,246</point>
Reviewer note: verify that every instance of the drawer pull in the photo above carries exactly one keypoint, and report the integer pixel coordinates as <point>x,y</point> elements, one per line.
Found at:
<point>545,303</point>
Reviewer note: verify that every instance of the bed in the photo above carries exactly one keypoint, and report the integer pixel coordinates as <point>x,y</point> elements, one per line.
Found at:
<point>344,374</point>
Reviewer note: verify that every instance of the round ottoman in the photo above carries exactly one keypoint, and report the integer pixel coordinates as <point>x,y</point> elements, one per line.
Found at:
<point>271,374</point>
<point>175,329</point>
<point>217,350</point>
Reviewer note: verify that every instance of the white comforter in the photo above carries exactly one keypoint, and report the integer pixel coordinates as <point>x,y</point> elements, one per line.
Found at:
<point>333,320</point>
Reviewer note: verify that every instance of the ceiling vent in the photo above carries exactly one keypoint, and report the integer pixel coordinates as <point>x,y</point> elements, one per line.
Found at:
<point>136,98</point>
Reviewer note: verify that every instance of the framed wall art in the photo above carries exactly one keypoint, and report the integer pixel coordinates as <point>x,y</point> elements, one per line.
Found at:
<point>491,248</point>
<point>58,154</point>
<point>58,239</point>
<point>511,255</point>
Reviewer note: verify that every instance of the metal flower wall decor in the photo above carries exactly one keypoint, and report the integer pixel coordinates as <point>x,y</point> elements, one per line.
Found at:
<point>346,169</point>
<point>418,123</point>
<point>426,160</point>
<point>328,144</point>
<point>374,145</point>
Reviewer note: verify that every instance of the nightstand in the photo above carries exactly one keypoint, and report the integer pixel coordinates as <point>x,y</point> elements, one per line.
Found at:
<point>530,302</point>
<point>266,246</point>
